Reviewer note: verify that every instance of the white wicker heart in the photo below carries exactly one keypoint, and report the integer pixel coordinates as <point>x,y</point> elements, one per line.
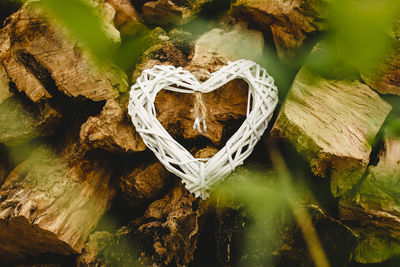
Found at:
<point>201,175</point>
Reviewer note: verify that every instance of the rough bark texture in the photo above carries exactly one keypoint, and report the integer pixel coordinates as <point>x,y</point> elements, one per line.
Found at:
<point>126,19</point>
<point>167,12</point>
<point>375,203</point>
<point>170,227</point>
<point>45,70</point>
<point>112,130</point>
<point>386,79</point>
<point>330,122</point>
<point>291,22</point>
<point>144,182</point>
<point>41,57</point>
<point>56,197</point>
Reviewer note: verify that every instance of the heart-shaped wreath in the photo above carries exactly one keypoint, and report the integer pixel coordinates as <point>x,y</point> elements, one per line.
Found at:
<point>200,175</point>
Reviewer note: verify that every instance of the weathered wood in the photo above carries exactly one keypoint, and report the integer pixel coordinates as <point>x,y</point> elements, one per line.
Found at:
<point>42,59</point>
<point>43,70</point>
<point>375,205</point>
<point>144,182</point>
<point>170,227</point>
<point>216,47</point>
<point>291,22</point>
<point>55,198</point>
<point>111,130</point>
<point>330,122</point>
<point>20,119</point>
<point>386,78</point>
<point>4,165</point>
<point>126,19</point>
<point>168,12</point>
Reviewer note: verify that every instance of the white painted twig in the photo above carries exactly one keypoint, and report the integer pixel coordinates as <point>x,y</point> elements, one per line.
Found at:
<point>200,175</point>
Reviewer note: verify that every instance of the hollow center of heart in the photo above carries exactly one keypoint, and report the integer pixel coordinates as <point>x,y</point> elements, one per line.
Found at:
<point>223,110</point>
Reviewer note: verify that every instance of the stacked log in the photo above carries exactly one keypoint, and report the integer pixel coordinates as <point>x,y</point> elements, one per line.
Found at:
<point>87,152</point>
<point>374,204</point>
<point>336,142</point>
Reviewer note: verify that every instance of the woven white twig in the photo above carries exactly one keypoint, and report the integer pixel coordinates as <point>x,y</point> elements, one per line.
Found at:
<point>200,175</point>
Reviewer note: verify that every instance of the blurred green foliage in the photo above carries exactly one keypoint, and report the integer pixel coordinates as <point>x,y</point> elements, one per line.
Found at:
<point>82,21</point>
<point>360,30</point>
<point>86,24</point>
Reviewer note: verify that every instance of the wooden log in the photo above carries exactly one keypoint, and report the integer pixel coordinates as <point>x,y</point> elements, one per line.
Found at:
<point>386,78</point>
<point>169,230</point>
<point>42,71</point>
<point>126,19</point>
<point>170,12</point>
<point>375,206</point>
<point>170,227</point>
<point>112,130</point>
<point>144,182</point>
<point>55,198</point>
<point>20,119</point>
<point>4,164</point>
<point>42,60</point>
<point>330,122</point>
<point>289,22</point>
<point>215,48</point>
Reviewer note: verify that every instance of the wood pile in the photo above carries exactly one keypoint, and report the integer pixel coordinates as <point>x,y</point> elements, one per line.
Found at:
<point>78,187</point>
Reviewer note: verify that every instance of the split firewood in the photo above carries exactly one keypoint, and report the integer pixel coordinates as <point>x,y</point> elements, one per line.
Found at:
<point>170,227</point>
<point>167,12</point>
<point>126,19</point>
<point>42,59</point>
<point>112,130</point>
<point>331,122</point>
<point>144,182</point>
<point>55,198</point>
<point>386,78</point>
<point>107,249</point>
<point>169,230</point>
<point>20,118</point>
<point>375,205</point>
<point>42,70</point>
<point>290,22</point>
<point>215,48</point>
